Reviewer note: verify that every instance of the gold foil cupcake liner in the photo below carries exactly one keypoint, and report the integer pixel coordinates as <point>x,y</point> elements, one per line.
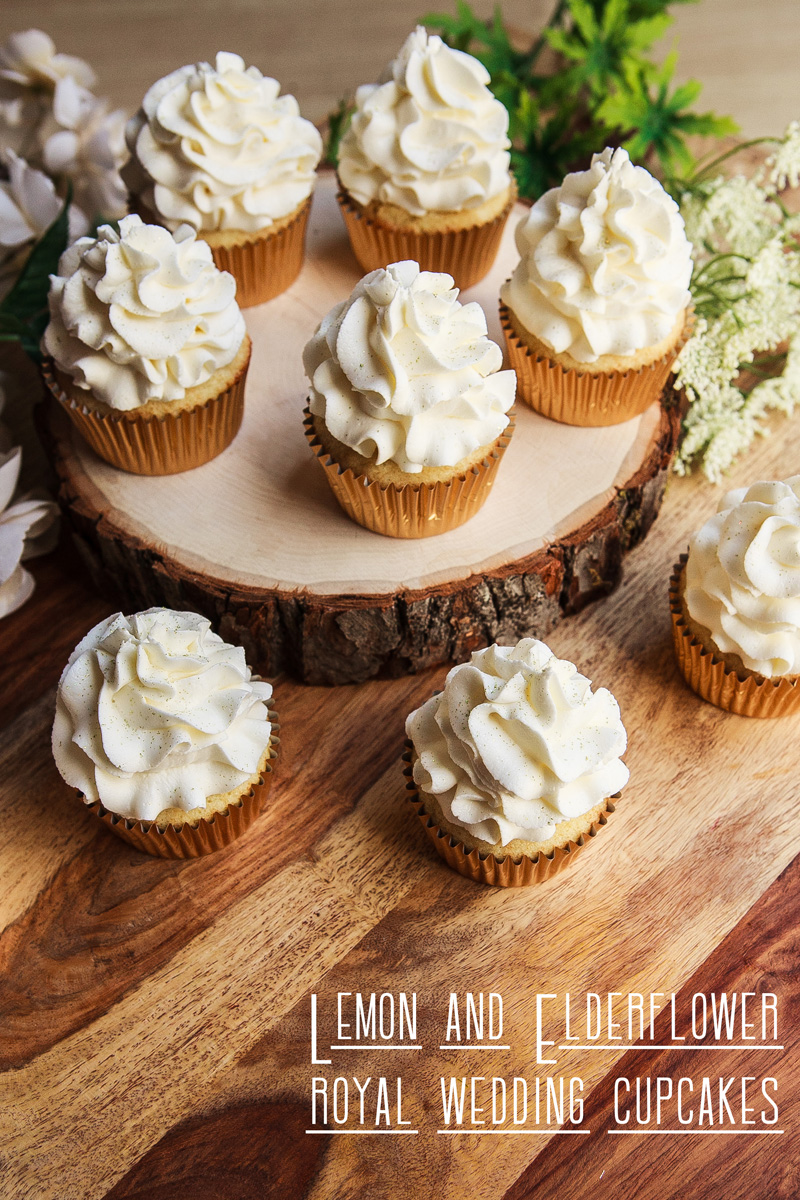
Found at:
<point>268,266</point>
<point>466,254</point>
<point>194,841</point>
<point>576,398</point>
<point>157,445</point>
<point>485,868</point>
<point>711,677</point>
<point>262,268</point>
<point>413,510</point>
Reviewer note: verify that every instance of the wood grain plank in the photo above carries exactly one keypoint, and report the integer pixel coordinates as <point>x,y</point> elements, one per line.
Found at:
<point>88,918</point>
<point>759,955</point>
<point>708,826</point>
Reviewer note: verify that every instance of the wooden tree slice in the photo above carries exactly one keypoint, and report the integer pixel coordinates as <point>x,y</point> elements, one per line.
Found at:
<point>256,541</point>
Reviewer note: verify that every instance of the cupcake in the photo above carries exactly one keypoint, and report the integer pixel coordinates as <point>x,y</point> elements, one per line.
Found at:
<point>219,149</point>
<point>146,347</point>
<point>164,732</point>
<point>424,165</point>
<point>515,765</point>
<point>735,603</point>
<point>598,307</point>
<point>408,408</point>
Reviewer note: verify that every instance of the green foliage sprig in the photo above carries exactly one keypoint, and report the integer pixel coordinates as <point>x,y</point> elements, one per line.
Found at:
<point>601,90</point>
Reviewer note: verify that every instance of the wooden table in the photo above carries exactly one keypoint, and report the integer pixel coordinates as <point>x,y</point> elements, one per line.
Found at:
<point>155,1018</point>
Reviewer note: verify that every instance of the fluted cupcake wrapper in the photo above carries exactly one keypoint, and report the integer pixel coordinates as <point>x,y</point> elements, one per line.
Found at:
<point>466,254</point>
<point>193,841</point>
<point>262,268</point>
<point>414,510</point>
<point>157,445</point>
<point>268,266</point>
<point>498,872</point>
<point>576,398</point>
<point>713,680</point>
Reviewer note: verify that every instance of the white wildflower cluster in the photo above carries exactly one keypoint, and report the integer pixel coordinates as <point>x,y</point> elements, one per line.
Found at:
<point>783,165</point>
<point>744,356</point>
<point>54,132</point>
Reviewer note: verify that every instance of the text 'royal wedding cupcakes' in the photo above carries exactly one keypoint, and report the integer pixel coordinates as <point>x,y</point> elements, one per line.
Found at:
<point>515,766</point>
<point>735,602</point>
<point>165,733</point>
<point>424,165</point>
<point>408,408</point>
<point>598,307</point>
<point>218,148</point>
<point>146,349</point>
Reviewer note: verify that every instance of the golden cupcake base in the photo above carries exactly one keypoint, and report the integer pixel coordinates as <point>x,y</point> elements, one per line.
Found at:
<point>414,510</point>
<point>498,872</point>
<point>466,254</point>
<point>156,445</point>
<point>713,680</point>
<point>581,398</point>
<point>267,266</point>
<point>264,266</point>
<point>193,841</point>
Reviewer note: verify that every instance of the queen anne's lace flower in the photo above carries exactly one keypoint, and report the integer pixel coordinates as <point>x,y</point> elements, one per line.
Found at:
<point>746,285</point>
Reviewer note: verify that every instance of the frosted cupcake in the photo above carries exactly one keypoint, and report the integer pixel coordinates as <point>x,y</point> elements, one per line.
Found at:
<point>219,149</point>
<point>516,764</point>
<point>408,408</point>
<point>598,307</point>
<point>147,348</point>
<point>424,165</point>
<point>165,733</point>
<point>735,602</point>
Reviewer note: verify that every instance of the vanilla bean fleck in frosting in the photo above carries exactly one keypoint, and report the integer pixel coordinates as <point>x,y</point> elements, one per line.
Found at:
<point>142,314</point>
<point>219,148</point>
<point>743,576</point>
<point>155,711</point>
<point>604,263</point>
<point>517,742</point>
<point>430,136</point>
<point>402,371</point>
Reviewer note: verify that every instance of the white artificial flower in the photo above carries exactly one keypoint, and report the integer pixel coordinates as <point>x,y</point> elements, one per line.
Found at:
<point>29,60</point>
<point>87,147</point>
<point>28,203</point>
<point>21,528</point>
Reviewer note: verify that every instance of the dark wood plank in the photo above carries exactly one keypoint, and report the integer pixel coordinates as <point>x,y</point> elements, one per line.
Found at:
<point>759,955</point>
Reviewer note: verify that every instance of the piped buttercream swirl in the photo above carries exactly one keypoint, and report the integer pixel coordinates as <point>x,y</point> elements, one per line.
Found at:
<point>404,372</point>
<point>141,314</point>
<point>743,576</point>
<point>516,742</point>
<point>430,136</point>
<point>156,711</point>
<point>604,262</point>
<point>219,148</point>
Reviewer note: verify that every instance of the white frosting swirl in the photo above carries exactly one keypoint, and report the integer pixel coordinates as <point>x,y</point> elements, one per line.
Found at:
<point>403,371</point>
<point>141,314</point>
<point>430,136</point>
<point>605,262</point>
<point>743,577</point>
<point>155,711</point>
<point>516,743</point>
<point>218,147</point>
